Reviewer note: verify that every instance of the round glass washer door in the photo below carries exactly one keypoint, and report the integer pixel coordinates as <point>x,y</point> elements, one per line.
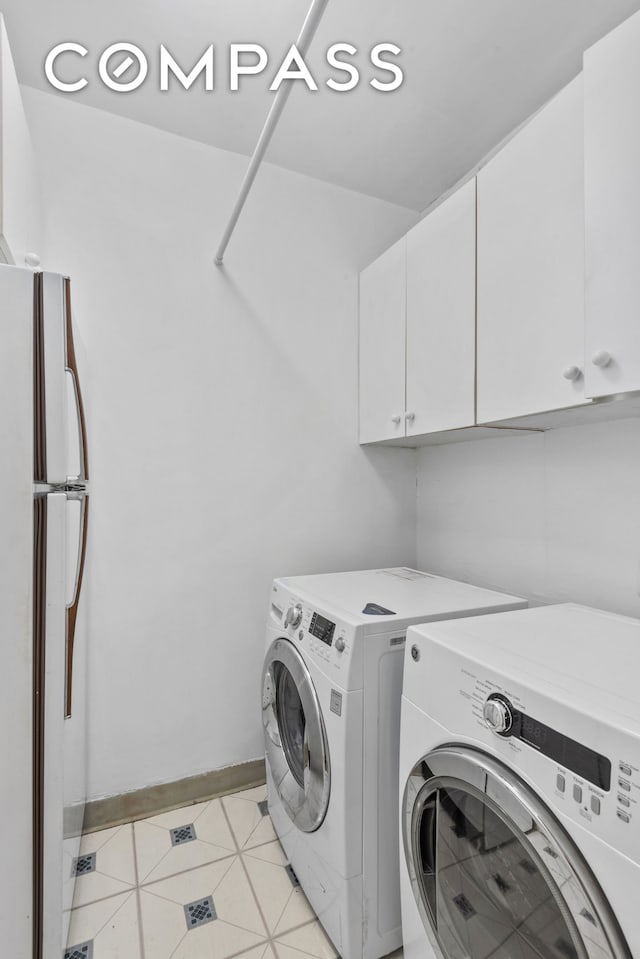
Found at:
<point>295,737</point>
<point>493,872</point>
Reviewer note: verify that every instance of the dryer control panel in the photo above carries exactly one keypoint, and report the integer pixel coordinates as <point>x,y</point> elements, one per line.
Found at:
<point>504,719</point>
<point>583,774</point>
<point>599,791</point>
<point>585,765</point>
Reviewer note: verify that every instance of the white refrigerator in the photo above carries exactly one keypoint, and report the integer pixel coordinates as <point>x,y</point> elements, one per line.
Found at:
<point>43,636</point>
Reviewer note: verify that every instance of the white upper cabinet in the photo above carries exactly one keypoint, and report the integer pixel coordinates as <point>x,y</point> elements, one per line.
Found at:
<point>441,301</point>
<point>530,319</point>
<point>487,312</point>
<point>20,230</point>
<point>382,346</point>
<point>612,198</point>
<point>417,328</point>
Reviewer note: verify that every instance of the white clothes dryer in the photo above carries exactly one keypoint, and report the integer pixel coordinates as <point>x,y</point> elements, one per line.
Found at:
<point>331,694</point>
<point>520,787</point>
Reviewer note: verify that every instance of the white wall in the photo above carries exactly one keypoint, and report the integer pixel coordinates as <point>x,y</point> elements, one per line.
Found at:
<point>224,423</point>
<point>552,516</point>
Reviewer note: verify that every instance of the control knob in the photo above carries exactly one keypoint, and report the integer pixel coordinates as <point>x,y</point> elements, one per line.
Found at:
<point>340,644</point>
<point>294,616</point>
<point>497,715</point>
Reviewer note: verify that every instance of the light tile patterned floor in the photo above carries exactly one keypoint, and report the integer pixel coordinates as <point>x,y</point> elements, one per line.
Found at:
<point>134,905</point>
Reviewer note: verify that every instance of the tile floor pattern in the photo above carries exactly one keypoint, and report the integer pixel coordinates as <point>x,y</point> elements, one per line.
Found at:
<point>160,890</point>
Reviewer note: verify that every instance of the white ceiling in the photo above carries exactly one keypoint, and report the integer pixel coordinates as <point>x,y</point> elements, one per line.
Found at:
<point>474,70</point>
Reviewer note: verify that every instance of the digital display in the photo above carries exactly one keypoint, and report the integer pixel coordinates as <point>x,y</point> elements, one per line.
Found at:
<point>322,629</point>
<point>566,752</point>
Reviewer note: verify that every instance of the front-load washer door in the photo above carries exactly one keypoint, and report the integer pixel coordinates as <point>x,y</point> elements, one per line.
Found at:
<point>493,872</point>
<point>295,736</point>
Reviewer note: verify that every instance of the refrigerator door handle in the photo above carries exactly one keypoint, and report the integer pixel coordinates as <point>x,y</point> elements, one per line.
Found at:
<point>81,430</point>
<point>72,606</point>
<point>72,369</point>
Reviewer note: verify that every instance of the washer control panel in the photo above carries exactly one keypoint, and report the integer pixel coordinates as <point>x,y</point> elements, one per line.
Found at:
<point>293,616</point>
<point>328,640</point>
<point>322,628</point>
<point>325,639</point>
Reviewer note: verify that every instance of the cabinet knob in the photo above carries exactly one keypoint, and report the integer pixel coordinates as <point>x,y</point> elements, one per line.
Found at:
<point>396,419</point>
<point>572,373</point>
<point>601,358</point>
<point>32,260</point>
<point>409,417</point>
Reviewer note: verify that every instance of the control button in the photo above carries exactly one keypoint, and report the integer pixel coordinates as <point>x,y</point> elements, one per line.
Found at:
<point>561,783</point>
<point>624,801</point>
<point>624,785</point>
<point>301,635</point>
<point>497,715</point>
<point>623,815</point>
<point>577,793</point>
<point>340,644</point>
<point>595,805</point>
<point>625,770</point>
<point>293,617</point>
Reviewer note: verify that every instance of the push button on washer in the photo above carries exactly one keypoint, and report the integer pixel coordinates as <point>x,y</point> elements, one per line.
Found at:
<point>624,769</point>
<point>595,805</point>
<point>623,815</point>
<point>624,785</point>
<point>561,783</point>
<point>577,793</point>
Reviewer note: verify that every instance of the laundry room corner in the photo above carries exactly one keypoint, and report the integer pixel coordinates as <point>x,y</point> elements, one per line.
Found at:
<point>564,502</point>
<point>224,423</point>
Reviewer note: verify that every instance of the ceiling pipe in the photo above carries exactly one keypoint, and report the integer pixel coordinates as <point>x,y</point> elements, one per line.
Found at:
<point>307,33</point>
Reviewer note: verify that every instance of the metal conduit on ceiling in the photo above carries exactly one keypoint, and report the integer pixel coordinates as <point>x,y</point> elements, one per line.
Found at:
<point>303,43</point>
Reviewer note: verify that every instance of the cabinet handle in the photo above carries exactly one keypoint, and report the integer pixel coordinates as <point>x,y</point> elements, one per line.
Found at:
<point>601,358</point>
<point>572,373</point>
<point>396,419</point>
<point>409,417</point>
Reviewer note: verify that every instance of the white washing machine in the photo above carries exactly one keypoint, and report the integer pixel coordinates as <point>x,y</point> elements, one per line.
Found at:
<point>331,713</point>
<point>520,787</point>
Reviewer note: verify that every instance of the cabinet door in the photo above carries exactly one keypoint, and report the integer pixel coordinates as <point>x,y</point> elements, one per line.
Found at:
<point>531,266</point>
<point>382,346</point>
<point>441,316</point>
<point>612,209</point>
<point>19,187</point>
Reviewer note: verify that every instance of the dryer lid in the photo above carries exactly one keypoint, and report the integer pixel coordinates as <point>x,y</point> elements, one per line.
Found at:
<point>587,657</point>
